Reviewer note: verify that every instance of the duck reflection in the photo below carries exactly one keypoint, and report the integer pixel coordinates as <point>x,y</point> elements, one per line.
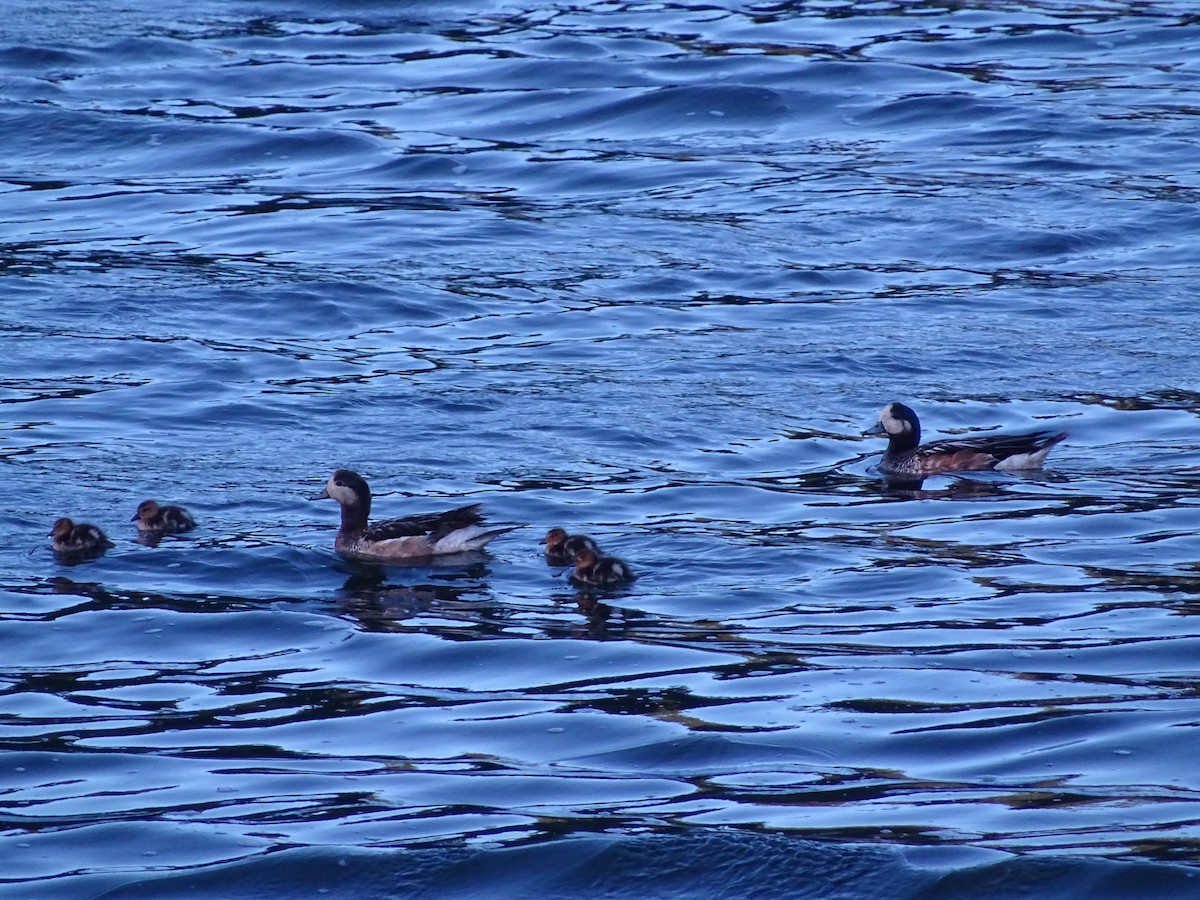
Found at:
<point>378,605</point>
<point>913,487</point>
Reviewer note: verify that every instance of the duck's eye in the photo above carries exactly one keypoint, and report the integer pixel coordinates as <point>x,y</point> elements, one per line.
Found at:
<point>339,483</point>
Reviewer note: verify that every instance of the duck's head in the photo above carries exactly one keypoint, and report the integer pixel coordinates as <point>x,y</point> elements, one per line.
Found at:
<point>899,423</point>
<point>146,511</point>
<point>62,527</point>
<point>347,488</point>
<point>585,558</point>
<point>555,538</point>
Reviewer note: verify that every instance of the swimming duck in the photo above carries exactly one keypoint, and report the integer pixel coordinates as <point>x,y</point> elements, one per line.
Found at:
<point>563,548</point>
<point>150,516</point>
<point>67,537</point>
<point>905,455</point>
<point>604,571</point>
<point>411,537</point>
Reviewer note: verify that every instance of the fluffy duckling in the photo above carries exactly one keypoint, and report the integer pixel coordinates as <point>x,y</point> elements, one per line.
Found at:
<point>150,516</point>
<point>906,455</point>
<point>563,548</point>
<point>410,537</point>
<point>67,537</point>
<point>604,571</point>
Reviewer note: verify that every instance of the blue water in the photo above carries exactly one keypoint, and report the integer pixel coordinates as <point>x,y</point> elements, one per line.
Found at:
<point>645,271</point>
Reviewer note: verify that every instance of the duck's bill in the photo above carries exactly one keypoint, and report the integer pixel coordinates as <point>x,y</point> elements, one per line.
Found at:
<point>877,428</point>
<point>324,495</point>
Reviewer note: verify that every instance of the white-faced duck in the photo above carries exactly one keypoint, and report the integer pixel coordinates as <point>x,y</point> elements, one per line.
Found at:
<point>906,455</point>
<point>410,537</point>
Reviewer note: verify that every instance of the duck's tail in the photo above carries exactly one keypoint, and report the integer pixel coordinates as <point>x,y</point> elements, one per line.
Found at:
<point>1032,452</point>
<point>473,537</point>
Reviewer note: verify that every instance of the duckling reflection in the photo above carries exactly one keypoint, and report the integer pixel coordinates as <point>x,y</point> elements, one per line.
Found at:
<point>606,621</point>
<point>91,594</point>
<point>597,612</point>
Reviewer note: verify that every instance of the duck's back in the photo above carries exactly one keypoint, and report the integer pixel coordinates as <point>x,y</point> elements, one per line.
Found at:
<point>432,526</point>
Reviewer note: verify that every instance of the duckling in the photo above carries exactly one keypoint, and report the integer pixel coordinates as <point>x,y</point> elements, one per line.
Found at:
<point>562,548</point>
<point>604,571</point>
<point>67,537</point>
<point>905,455</point>
<point>150,516</point>
<point>395,540</point>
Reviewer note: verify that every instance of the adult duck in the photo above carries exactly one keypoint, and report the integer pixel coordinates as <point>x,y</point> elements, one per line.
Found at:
<point>906,455</point>
<point>397,540</point>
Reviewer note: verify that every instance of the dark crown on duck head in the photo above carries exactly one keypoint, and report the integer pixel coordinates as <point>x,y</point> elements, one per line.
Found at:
<point>353,481</point>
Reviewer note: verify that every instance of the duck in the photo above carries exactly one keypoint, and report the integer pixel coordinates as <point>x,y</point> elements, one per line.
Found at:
<point>67,537</point>
<point>603,571</point>
<point>906,455</point>
<point>151,516</point>
<point>410,537</point>
<point>562,548</point>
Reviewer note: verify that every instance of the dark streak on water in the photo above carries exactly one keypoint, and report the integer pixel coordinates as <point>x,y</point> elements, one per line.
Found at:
<point>644,270</point>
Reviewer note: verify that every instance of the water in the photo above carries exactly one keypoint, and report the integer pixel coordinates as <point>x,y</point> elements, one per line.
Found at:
<point>645,271</point>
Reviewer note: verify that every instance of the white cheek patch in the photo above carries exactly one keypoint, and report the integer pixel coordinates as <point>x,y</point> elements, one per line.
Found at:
<point>890,423</point>
<point>339,492</point>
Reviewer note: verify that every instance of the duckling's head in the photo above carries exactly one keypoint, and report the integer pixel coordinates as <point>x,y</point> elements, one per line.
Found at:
<point>347,488</point>
<point>585,558</point>
<point>555,538</point>
<point>62,527</point>
<point>897,421</point>
<point>146,511</point>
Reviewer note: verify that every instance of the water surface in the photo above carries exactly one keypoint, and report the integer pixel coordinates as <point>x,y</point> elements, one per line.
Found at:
<point>644,271</point>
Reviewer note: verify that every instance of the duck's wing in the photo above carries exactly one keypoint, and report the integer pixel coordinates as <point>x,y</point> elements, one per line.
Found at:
<point>1029,447</point>
<point>617,569</point>
<point>176,518</point>
<point>434,525</point>
<point>577,543</point>
<point>88,537</point>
